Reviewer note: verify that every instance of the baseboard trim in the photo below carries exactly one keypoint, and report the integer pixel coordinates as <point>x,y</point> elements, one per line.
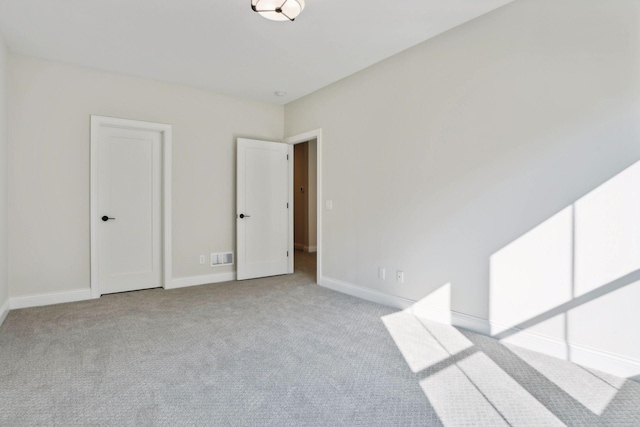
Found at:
<point>471,323</point>
<point>304,248</point>
<point>433,313</point>
<point>582,355</point>
<point>49,298</point>
<point>185,282</point>
<point>4,311</point>
<point>607,362</point>
<point>366,294</point>
<point>537,342</point>
<point>453,318</point>
<point>312,248</point>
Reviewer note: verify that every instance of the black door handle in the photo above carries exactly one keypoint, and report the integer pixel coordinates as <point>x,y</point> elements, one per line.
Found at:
<point>106,218</point>
<point>244,216</point>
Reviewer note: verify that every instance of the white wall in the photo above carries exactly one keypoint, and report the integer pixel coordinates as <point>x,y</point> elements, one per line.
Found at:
<point>49,167</point>
<point>4,95</point>
<point>440,157</point>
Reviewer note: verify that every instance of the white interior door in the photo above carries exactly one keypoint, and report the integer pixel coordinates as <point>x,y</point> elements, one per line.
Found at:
<point>262,215</point>
<point>129,208</point>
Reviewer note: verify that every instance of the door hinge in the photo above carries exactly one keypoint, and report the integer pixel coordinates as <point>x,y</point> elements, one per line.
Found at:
<point>287,157</point>
<point>287,205</point>
<point>287,254</point>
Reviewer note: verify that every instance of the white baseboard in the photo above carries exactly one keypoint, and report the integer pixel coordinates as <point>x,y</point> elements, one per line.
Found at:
<point>184,282</point>
<point>49,298</point>
<point>471,323</point>
<point>366,294</point>
<point>454,318</point>
<point>436,314</point>
<point>582,355</point>
<point>603,361</point>
<point>304,248</point>
<point>537,342</point>
<point>312,248</point>
<point>85,294</point>
<point>4,311</point>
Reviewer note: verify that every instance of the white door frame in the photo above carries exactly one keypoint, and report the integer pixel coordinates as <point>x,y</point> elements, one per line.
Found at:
<point>298,139</point>
<point>166,130</point>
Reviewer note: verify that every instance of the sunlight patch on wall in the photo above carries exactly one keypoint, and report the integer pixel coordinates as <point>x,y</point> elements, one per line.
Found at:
<point>533,274</point>
<point>609,322</point>
<point>554,328</point>
<point>574,279</point>
<point>607,225</point>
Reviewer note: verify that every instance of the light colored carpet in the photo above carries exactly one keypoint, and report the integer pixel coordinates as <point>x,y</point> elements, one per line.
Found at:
<point>279,351</point>
<point>473,380</point>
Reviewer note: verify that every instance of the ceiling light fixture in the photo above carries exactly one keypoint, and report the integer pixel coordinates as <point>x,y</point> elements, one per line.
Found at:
<point>278,10</point>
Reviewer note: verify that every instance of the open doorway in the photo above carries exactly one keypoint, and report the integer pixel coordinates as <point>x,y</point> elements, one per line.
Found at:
<point>305,207</point>
<point>314,135</point>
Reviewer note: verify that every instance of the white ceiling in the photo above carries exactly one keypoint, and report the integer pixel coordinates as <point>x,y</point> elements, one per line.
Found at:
<point>222,45</point>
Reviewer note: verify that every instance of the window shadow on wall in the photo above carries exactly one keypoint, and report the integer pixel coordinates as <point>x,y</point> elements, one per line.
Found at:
<point>573,277</point>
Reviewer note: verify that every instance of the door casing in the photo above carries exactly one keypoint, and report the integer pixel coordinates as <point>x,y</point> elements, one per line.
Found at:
<point>98,122</point>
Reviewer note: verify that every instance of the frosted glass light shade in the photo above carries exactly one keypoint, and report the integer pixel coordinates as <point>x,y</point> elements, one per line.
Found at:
<point>278,10</point>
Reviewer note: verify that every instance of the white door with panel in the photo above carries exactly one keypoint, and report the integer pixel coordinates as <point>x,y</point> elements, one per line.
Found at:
<point>129,208</point>
<point>262,215</point>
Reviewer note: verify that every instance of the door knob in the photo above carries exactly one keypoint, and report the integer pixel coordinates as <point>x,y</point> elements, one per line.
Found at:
<point>244,216</point>
<point>106,218</point>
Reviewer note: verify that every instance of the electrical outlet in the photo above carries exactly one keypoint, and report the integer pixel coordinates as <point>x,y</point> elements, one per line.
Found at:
<point>381,273</point>
<point>400,276</point>
<point>202,259</point>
